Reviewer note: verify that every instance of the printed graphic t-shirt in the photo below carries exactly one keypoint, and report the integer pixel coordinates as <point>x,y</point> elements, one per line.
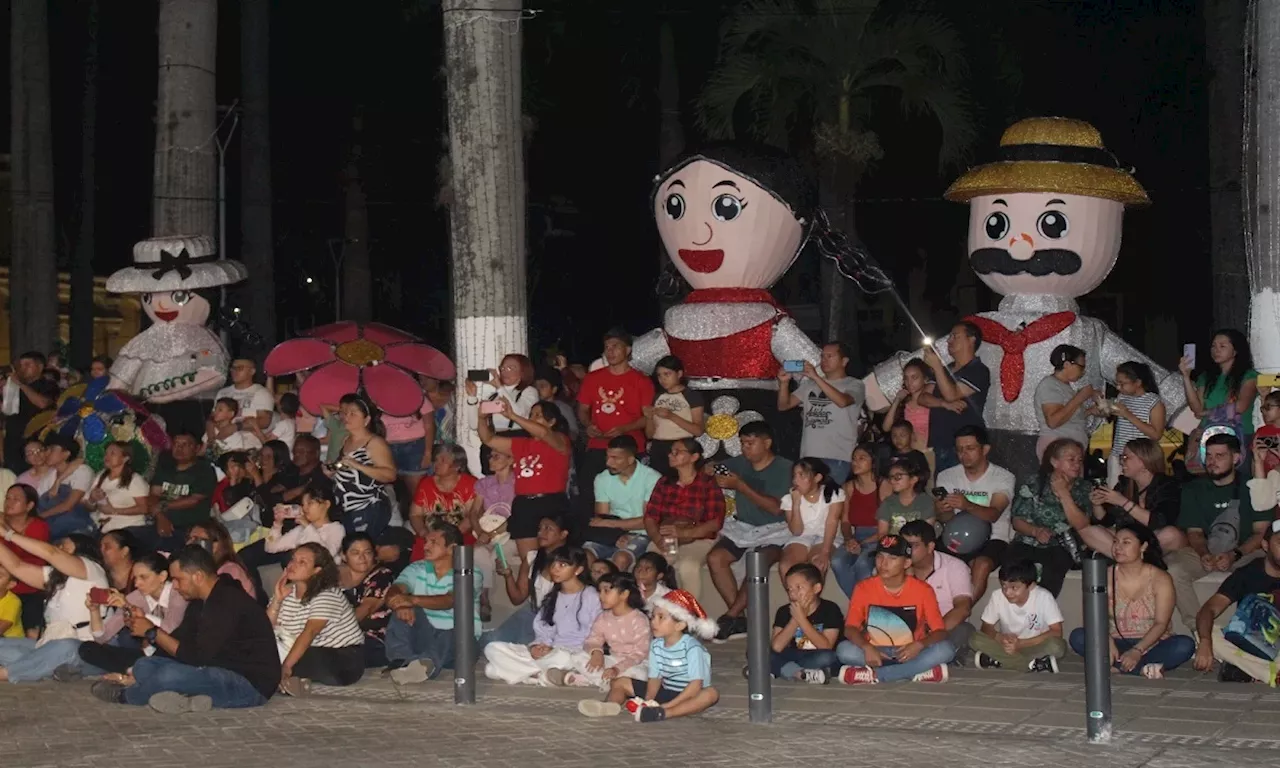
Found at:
<point>538,468</point>
<point>826,616</point>
<point>616,399</point>
<point>891,620</point>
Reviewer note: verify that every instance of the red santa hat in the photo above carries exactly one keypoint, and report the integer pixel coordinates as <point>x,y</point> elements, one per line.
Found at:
<point>683,607</point>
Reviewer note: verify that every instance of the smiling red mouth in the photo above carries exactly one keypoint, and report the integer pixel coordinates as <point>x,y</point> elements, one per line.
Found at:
<point>168,317</point>
<point>702,261</point>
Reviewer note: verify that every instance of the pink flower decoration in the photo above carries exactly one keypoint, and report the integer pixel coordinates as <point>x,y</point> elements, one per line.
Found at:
<point>346,357</point>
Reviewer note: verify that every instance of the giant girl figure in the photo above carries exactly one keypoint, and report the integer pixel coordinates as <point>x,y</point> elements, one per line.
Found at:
<point>1045,221</point>
<point>733,219</point>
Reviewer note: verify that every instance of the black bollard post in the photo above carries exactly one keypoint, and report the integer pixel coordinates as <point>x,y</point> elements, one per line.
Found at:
<point>759,683</point>
<point>464,617</point>
<point>1097,651</point>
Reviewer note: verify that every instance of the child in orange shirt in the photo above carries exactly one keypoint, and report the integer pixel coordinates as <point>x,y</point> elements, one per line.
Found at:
<point>894,630</point>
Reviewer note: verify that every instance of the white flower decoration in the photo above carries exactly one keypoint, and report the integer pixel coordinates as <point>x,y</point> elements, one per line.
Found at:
<point>722,426</point>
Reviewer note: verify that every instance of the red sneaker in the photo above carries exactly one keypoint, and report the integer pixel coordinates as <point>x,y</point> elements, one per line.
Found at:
<point>857,675</point>
<point>938,674</point>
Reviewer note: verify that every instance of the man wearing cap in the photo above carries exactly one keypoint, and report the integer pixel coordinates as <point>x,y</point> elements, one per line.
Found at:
<point>894,629</point>
<point>1045,221</point>
<point>1260,577</point>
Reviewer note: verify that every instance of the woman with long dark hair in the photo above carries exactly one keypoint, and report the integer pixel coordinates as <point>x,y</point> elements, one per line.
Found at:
<point>119,494</point>
<point>541,467</point>
<point>813,511</point>
<point>677,412</point>
<point>316,630</point>
<point>364,582</point>
<point>1222,390</point>
<point>1050,509</point>
<point>72,571</point>
<point>863,491</point>
<point>366,468</point>
<point>1138,409</point>
<point>531,581</point>
<point>1142,600</point>
<point>119,551</point>
<point>20,505</point>
<point>113,649</point>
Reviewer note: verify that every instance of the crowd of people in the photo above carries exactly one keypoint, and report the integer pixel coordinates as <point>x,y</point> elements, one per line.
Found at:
<point>609,505</point>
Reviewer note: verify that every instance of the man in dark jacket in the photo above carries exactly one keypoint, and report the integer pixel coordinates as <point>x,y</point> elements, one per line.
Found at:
<point>223,654</point>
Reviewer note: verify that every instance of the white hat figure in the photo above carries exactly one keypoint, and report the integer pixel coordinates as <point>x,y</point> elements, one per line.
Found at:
<point>176,263</point>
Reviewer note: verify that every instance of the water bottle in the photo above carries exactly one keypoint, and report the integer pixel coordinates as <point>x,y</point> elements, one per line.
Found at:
<point>670,547</point>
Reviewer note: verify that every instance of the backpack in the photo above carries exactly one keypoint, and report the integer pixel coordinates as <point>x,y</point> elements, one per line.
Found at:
<point>1255,627</point>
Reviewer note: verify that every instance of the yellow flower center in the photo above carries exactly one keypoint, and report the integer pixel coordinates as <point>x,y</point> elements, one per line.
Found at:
<point>85,411</point>
<point>722,426</point>
<point>359,352</point>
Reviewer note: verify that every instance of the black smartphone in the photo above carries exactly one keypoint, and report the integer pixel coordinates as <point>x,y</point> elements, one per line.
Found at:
<point>939,492</point>
<point>478,375</point>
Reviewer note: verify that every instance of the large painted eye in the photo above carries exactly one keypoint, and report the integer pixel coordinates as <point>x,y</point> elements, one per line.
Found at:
<point>1053,224</point>
<point>675,206</point>
<point>180,297</point>
<point>726,207</point>
<point>146,298</point>
<point>997,225</point>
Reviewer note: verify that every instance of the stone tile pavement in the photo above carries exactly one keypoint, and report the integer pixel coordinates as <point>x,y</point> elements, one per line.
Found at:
<point>979,719</point>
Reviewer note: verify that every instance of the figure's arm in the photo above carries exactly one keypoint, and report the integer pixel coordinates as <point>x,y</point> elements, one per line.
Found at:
<point>791,343</point>
<point>648,349</point>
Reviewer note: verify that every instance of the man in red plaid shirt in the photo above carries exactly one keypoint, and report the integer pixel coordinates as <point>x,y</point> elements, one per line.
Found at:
<point>689,509</point>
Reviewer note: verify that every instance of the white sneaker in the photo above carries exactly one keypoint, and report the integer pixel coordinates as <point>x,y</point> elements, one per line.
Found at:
<point>814,676</point>
<point>597,708</point>
<point>416,671</point>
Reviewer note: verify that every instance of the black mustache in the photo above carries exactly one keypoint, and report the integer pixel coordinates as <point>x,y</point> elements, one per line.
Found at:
<point>1050,261</point>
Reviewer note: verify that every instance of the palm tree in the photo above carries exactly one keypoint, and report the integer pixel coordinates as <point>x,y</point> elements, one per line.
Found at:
<point>33,269</point>
<point>257,245</point>
<point>184,180</point>
<point>827,68</point>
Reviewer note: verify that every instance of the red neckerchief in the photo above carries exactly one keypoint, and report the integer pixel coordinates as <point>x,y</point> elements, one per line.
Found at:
<point>1014,343</point>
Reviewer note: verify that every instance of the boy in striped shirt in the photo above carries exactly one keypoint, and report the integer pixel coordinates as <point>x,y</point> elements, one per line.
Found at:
<point>679,681</point>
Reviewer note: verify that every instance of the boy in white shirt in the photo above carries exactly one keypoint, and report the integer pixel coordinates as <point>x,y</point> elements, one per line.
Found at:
<point>1021,625</point>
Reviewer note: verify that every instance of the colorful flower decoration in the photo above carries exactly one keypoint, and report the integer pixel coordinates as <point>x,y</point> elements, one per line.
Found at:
<point>96,416</point>
<point>723,425</point>
<point>346,357</point>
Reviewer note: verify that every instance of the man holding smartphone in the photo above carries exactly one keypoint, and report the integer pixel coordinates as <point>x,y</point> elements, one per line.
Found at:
<point>832,402</point>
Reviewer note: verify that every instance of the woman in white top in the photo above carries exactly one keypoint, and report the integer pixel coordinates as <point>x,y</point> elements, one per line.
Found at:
<point>114,650</point>
<point>813,512</point>
<point>72,570</point>
<point>315,522</point>
<point>119,495</point>
<point>316,630</point>
<point>513,382</point>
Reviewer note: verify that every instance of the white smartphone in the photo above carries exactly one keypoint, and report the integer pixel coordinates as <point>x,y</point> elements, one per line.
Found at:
<point>1189,352</point>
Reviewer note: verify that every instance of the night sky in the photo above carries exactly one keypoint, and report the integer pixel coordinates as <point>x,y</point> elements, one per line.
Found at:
<point>1134,68</point>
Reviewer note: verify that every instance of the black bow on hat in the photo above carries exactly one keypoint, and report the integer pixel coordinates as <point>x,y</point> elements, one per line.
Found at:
<point>181,263</point>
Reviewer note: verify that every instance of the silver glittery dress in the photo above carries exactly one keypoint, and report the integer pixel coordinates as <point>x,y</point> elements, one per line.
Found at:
<point>171,361</point>
<point>1104,350</point>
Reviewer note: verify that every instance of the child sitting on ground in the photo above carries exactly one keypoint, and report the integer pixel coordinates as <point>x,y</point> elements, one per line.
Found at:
<point>679,681</point>
<point>561,627</point>
<point>623,628</point>
<point>805,630</point>
<point>654,576</point>
<point>10,607</point>
<point>1021,625</point>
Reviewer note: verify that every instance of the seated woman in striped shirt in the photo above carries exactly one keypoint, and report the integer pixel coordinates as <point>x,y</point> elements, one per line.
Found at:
<point>679,681</point>
<point>316,631</point>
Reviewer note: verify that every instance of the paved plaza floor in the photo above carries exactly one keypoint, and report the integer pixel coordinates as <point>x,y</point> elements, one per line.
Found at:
<point>987,719</point>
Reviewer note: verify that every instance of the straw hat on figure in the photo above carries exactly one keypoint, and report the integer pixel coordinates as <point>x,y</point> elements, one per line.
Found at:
<point>177,358</point>
<point>1045,221</point>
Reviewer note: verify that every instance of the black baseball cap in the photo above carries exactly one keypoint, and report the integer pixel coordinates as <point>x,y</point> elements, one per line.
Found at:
<point>895,545</point>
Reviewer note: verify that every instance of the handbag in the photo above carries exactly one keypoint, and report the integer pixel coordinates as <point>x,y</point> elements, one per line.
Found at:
<point>1255,626</point>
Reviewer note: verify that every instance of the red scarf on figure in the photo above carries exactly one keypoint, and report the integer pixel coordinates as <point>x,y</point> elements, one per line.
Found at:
<point>1014,343</point>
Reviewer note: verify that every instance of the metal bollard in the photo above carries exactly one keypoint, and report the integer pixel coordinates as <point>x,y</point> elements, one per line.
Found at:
<point>464,617</point>
<point>1097,651</point>
<point>759,682</point>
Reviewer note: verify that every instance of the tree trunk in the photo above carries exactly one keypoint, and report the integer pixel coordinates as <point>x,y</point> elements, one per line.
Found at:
<point>184,182</point>
<point>33,273</point>
<point>1264,261</point>
<point>836,184</point>
<point>1224,36</point>
<point>257,246</point>
<point>357,277</point>
<point>82,308</point>
<point>670,126</point>
<point>482,45</point>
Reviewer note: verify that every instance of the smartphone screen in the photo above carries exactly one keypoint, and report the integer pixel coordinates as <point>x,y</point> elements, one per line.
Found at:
<point>478,375</point>
<point>490,407</point>
<point>793,366</point>
<point>1189,352</point>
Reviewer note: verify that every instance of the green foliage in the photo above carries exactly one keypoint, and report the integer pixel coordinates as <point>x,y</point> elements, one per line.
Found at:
<point>829,65</point>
